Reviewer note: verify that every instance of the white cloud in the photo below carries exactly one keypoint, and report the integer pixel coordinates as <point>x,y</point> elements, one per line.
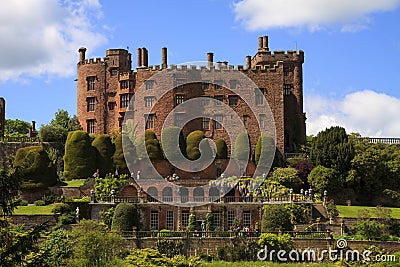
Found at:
<point>367,112</point>
<point>42,36</point>
<point>313,14</point>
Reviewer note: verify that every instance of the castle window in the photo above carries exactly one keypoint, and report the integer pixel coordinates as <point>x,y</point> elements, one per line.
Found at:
<point>217,220</point>
<point>149,84</point>
<point>287,88</point>
<point>154,220</point>
<point>90,103</point>
<point>179,99</point>
<point>149,101</point>
<point>204,85</point>
<point>263,121</point>
<point>286,71</point>
<point>246,218</point>
<point>259,96</point>
<point>170,220</point>
<point>205,123</point>
<point>246,120</point>
<point>124,84</point>
<point>218,121</point>
<point>111,105</point>
<point>218,100</point>
<point>124,101</point>
<point>113,72</point>
<point>150,118</point>
<point>218,84</point>
<point>90,82</point>
<point>230,218</point>
<point>233,100</point>
<point>179,120</point>
<point>232,84</point>
<point>90,126</point>
<point>204,101</point>
<point>185,219</point>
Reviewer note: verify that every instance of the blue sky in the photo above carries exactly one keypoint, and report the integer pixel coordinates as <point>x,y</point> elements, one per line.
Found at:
<point>352,50</point>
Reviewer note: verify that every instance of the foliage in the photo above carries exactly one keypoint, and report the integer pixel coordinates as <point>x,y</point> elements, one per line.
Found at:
<point>332,209</point>
<point>191,223</point>
<point>94,245</point>
<point>241,149</point>
<point>126,216</point>
<point>149,257</point>
<point>369,229</point>
<point>192,144</point>
<point>276,217</point>
<point>9,187</point>
<point>107,216</point>
<point>240,251</point>
<point>105,185</point>
<point>148,146</point>
<point>299,213</point>
<point>332,149</point>
<point>304,167</point>
<point>222,149</point>
<point>275,242</point>
<point>56,249</point>
<point>287,177</point>
<point>58,128</point>
<point>265,150</point>
<point>209,222</point>
<point>169,248</point>
<point>120,152</point>
<point>79,157</point>
<point>321,179</point>
<point>104,151</point>
<point>49,133</point>
<point>35,166</point>
<point>16,128</point>
<point>172,150</point>
<point>60,208</point>
<point>39,202</point>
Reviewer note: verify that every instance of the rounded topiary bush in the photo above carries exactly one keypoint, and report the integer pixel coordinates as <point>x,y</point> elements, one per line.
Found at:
<point>126,216</point>
<point>276,217</point>
<point>192,144</point>
<point>120,152</point>
<point>222,149</point>
<point>265,150</point>
<point>79,157</point>
<point>242,147</point>
<point>172,150</point>
<point>149,146</point>
<point>37,170</point>
<point>104,152</point>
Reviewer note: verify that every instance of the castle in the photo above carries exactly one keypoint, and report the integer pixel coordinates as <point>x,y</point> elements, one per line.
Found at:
<point>106,86</point>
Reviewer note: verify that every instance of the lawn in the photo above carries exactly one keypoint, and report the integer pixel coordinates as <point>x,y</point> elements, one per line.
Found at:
<point>262,264</point>
<point>32,209</point>
<point>74,183</point>
<point>352,211</point>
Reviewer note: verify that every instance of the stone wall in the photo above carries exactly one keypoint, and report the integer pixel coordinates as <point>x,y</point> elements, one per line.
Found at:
<point>33,220</point>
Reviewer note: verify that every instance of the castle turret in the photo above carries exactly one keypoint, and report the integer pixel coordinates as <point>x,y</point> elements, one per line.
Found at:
<point>82,52</point>
<point>210,59</point>
<point>164,57</point>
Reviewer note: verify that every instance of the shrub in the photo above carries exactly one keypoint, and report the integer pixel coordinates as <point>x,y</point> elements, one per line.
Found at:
<point>126,216</point>
<point>35,166</point>
<point>369,229</point>
<point>275,242</point>
<point>120,152</point>
<point>107,216</point>
<point>241,150</point>
<point>192,222</point>
<point>222,149</point>
<point>104,152</point>
<point>148,146</point>
<point>23,202</point>
<point>192,144</point>
<point>39,203</point>
<point>169,248</point>
<point>276,217</point>
<point>265,151</point>
<point>321,179</point>
<point>49,133</point>
<point>149,257</point>
<point>171,149</point>
<point>287,177</point>
<point>60,208</point>
<point>56,248</point>
<point>79,157</point>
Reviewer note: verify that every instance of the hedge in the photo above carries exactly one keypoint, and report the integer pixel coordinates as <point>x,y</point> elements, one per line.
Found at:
<point>192,144</point>
<point>126,216</point>
<point>242,147</point>
<point>265,150</point>
<point>118,158</point>
<point>222,149</point>
<point>104,151</point>
<point>173,151</point>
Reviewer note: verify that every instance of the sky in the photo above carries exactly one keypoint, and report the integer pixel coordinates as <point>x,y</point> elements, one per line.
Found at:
<point>352,50</point>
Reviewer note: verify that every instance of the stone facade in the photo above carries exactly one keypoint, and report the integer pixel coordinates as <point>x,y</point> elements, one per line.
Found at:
<point>106,85</point>
<point>2,116</point>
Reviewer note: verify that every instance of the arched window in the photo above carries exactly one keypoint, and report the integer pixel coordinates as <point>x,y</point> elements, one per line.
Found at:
<point>213,194</point>
<point>152,194</point>
<point>167,194</point>
<point>184,194</point>
<point>198,194</point>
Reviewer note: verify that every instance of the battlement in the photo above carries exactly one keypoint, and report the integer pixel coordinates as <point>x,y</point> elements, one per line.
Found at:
<point>97,60</point>
<point>116,52</point>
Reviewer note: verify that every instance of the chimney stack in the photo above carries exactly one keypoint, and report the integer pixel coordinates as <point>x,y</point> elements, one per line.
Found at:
<point>248,62</point>
<point>82,52</point>
<point>164,58</point>
<point>265,42</point>
<point>210,59</point>
<point>139,57</point>
<point>145,57</point>
<point>260,43</point>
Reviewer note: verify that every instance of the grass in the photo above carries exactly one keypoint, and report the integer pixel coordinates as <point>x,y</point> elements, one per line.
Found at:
<point>32,209</point>
<point>74,183</point>
<point>261,264</point>
<point>352,211</point>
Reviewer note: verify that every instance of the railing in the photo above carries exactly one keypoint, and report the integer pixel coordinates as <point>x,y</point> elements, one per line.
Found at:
<point>20,139</point>
<point>383,140</point>
<point>221,234</point>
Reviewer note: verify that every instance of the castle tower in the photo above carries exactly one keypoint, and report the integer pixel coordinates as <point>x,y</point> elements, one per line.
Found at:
<point>2,116</point>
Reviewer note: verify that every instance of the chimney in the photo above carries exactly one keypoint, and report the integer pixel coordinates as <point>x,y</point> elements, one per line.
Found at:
<point>145,57</point>
<point>33,126</point>
<point>164,58</point>
<point>260,43</point>
<point>210,59</point>
<point>248,62</point>
<point>139,58</point>
<point>225,63</point>
<point>218,66</point>
<point>265,42</point>
<point>82,52</point>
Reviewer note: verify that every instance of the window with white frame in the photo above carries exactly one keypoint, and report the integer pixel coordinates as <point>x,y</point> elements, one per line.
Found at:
<point>218,121</point>
<point>232,84</point>
<point>124,100</point>
<point>179,99</point>
<point>287,88</point>
<point>150,118</point>
<point>91,82</point>
<point>179,120</point>
<point>124,84</point>
<point>90,126</point>
<point>170,220</point>
<point>149,101</point>
<point>90,103</point>
<point>149,84</point>
<point>217,220</point>
<point>246,218</point>
<point>263,121</point>
<point>205,123</point>
<point>259,96</point>
<point>230,218</point>
<point>154,220</point>
<point>185,219</point>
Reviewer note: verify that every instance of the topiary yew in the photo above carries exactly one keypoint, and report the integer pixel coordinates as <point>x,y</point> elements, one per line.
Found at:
<point>265,150</point>
<point>104,151</point>
<point>171,150</point>
<point>242,147</point>
<point>118,158</point>
<point>192,144</point>
<point>126,216</point>
<point>222,149</point>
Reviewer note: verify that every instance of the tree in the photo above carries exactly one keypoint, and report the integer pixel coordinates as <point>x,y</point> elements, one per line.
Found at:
<point>105,185</point>
<point>241,150</point>
<point>49,133</point>
<point>126,216</point>
<point>56,248</point>
<point>191,223</point>
<point>104,152</point>
<point>222,149</point>
<point>287,177</point>
<point>9,190</point>
<point>36,168</point>
<point>321,179</point>
<point>148,146</point>
<point>265,150</point>
<point>172,150</point>
<point>276,217</point>
<point>58,128</point>
<point>304,167</point>
<point>79,157</point>
<point>118,158</point>
<point>16,128</point>
<point>192,144</point>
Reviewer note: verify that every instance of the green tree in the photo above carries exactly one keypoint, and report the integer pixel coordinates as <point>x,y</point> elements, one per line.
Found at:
<point>321,179</point>
<point>56,248</point>
<point>126,216</point>
<point>241,150</point>
<point>79,157</point>
<point>118,158</point>
<point>105,185</point>
<point>275,242</point>
<point>209,222</point>
<point>58,128</point>
<point>149,146</point>
<point>276,217</point>
<point>104,151</point>
<point>10,180</point>
<point>222,149</point>
<point>191,223</point>
<point>265,150</point>
<point>36,168</point>
<point>193,144</point>
<point>16,128</point>
<point>49,133</point>
<point>172,150</point>
<point>287,177</point>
